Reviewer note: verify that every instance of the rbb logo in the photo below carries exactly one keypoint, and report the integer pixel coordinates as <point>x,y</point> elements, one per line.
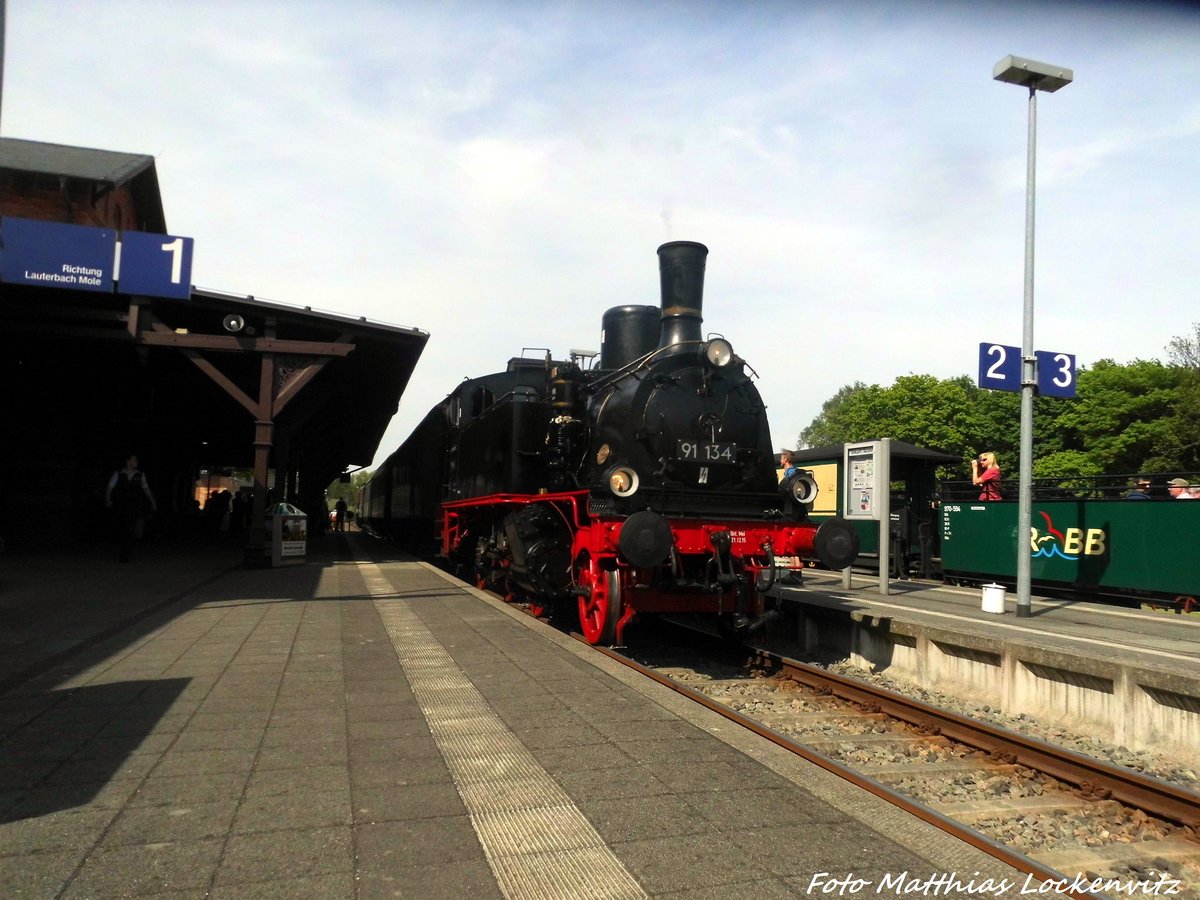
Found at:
<point>1070,543</point>
<point>1089,543</point>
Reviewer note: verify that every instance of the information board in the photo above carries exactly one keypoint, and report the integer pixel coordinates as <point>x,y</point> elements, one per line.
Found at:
<point>862,488</point>
<point>81,258</point>
<point>57,255</point>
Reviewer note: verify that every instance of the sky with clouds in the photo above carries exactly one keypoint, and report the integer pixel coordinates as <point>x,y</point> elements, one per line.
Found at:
<point>499,174</point>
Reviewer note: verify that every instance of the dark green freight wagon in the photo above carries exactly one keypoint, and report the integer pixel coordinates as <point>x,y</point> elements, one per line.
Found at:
<point>1109,548</point>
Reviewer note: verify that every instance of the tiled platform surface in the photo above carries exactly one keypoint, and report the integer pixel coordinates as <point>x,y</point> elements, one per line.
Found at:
<point>1128,676</point>
<point>363,726</point>
<point>1147,638</point>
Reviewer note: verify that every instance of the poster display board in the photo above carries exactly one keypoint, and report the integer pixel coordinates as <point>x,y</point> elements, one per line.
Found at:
<point>289,535</point>
<point>864,489</point>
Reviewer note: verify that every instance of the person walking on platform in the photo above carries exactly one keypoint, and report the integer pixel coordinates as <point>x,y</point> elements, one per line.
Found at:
<point>987,478</point>
<point>128,496</point>
<point>339,510</point>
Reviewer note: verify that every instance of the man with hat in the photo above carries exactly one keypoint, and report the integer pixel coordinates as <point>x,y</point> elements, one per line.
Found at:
<point>1180,489</point>
<point>1142,491</point>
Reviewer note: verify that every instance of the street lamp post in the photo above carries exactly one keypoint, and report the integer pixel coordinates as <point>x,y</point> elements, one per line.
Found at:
<point>1036,76</point>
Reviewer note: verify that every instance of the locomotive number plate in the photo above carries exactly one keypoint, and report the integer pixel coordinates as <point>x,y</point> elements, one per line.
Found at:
<point>695,451</point>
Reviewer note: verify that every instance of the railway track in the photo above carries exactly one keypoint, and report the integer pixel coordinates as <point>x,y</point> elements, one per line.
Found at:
<point>1078,825</point>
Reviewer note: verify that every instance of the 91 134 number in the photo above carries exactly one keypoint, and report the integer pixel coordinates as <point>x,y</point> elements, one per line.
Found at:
<point>694,451</point>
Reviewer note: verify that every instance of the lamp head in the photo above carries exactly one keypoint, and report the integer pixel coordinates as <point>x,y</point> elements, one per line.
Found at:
<point>1032,74</point>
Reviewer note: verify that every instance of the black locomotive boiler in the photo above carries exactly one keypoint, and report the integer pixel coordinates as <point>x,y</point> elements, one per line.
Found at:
<point>645,483</point>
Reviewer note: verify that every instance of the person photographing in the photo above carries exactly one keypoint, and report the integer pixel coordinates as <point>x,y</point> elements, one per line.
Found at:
<point>985,474</point>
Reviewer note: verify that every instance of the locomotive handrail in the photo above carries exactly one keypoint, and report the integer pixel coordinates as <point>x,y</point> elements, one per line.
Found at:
<point>569,498</point>
<point>631,367</point>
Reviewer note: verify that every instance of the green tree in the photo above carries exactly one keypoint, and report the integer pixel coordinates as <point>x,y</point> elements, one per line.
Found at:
<point>1121,417</point>
<point>1185,351</point>
<point>838,418</point>
<point>348,491</point>
<point>1143,416</point>
<point>952,415</point>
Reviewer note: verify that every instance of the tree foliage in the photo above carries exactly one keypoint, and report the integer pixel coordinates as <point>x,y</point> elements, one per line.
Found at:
<point>1142,416</point>
<point>348,491</point>
<point>1185,351</point>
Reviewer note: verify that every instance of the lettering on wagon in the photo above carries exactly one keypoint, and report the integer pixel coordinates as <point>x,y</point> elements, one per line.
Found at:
<point>1070,543</point>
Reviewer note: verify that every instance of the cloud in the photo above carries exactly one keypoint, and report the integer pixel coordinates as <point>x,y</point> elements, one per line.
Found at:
<point>500,174</point>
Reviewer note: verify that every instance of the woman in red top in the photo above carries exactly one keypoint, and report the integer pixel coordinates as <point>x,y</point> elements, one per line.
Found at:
<point>988,478</point>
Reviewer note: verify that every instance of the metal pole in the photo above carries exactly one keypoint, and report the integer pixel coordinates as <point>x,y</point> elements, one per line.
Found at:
<point>1028,379</point>
<point>883,466</point>
<point>3,16</point>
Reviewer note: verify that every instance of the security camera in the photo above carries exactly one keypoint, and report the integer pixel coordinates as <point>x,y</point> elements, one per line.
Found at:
<point>233,322</point>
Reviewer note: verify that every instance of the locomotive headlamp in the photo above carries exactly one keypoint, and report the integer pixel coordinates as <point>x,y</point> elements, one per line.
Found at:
<point>800,486</point>
<point>718,352</point>
<point>623,481</point>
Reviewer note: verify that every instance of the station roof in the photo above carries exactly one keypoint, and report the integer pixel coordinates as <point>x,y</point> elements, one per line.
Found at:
<point>85,164</point>
<point>103,166</point>
<point>98,374</point>
<point>338,417</point>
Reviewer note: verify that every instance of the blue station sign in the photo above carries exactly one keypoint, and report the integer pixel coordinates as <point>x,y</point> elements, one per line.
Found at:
<point>999,367</point>
<point>79,258</point>
<point>52,254</point>
<point>155,265</point>
<point>1000,370</point>
<point>1056,373</point>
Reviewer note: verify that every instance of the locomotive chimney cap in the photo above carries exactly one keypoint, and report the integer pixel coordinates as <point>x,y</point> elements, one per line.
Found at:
<point>681,271</point>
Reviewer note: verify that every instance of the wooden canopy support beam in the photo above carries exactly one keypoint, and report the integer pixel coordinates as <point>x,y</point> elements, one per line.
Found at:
<point>231,344</point>
<point>222,381</point>
<point>286,368</point>
<point>296,383</point>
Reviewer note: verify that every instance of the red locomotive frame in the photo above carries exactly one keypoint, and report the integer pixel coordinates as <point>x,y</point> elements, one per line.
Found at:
<point>611,590</point>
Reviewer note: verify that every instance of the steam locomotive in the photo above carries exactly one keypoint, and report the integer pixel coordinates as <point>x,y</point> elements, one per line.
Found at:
<point>645,483</point>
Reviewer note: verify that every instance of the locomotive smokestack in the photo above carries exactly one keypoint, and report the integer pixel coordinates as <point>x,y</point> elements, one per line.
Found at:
<point>681,267</point>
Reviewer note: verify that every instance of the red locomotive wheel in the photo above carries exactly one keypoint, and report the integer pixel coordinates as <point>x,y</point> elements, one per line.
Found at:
<point>600,607</point>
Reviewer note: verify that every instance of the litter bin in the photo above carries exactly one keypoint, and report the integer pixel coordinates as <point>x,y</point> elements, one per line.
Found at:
<point>289,535</point>
<point>993,598</point>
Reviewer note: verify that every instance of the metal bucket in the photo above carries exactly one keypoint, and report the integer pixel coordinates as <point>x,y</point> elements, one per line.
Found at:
<point>993,598</point>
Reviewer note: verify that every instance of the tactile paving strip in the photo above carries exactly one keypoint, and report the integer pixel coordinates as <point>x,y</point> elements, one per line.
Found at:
<point>537,842</point>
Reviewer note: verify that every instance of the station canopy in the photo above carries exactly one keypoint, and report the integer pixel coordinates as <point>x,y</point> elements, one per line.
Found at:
<point>206,379</point>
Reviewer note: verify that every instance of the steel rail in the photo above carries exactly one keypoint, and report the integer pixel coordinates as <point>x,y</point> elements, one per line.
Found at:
<point>1096,779</point>
<point>1004,854</point>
